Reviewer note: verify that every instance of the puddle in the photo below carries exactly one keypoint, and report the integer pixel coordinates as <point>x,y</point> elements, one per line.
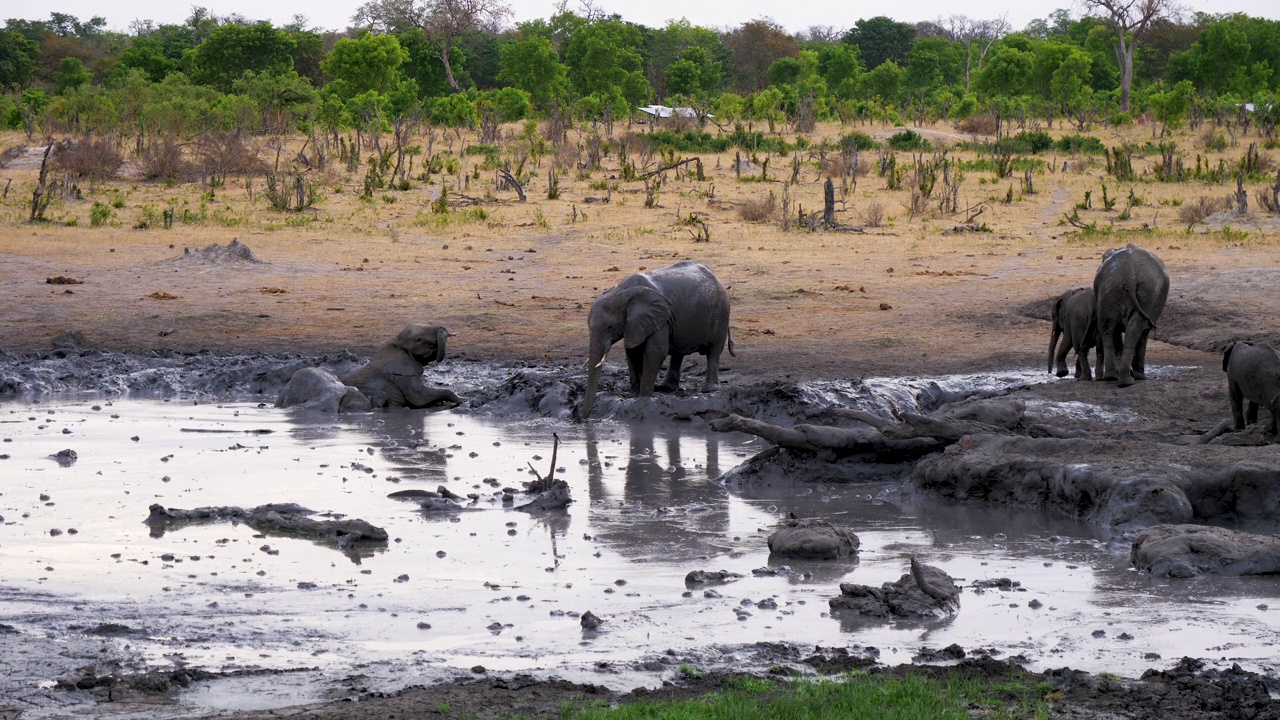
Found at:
<point>501,588</point>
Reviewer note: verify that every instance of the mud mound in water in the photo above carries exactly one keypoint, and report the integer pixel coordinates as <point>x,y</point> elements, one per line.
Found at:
<point>235,253</point>
<point>1190,550</point>
<point>1119,484</point>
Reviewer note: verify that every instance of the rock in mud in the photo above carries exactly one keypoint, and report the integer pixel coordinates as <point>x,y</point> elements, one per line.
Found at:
<point>813,539</point>
<point>64,458</point>
<point>927,594</point>
<point>590,621</point>
<point>555,498</point>
<point>277,518</point>
<point>1190,550</point>
<point>706,577</point>
<point>949,653</point>
<point>438,504</point>
<point>1252,436</point>
<point>1119,484</point>
<point>320,389</point>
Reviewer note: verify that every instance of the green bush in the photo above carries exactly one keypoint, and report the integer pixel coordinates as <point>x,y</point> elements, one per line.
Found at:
<point>99,214</point>
<point>859,141</point>
<point>1079,144</point>
<point>908,140</point>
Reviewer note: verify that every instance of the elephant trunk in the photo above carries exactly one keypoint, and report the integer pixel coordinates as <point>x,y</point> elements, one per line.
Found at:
<point>595,360</point>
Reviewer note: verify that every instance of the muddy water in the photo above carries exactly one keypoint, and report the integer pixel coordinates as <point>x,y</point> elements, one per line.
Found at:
<point>497,588</point>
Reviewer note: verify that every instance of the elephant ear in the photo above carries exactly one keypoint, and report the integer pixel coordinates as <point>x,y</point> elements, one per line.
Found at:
<point>395,360</point>
<point>647,312</point>
<point>442,336</point>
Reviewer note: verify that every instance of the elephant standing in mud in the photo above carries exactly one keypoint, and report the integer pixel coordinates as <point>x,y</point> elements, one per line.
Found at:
<point>1075,323</point>
<point>669,312</point>
<point>1129,293</point>
<point>393,376</point>
<point>1253,374</point>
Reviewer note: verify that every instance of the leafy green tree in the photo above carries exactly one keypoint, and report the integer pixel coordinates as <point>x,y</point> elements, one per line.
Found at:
<point>1069,86</point>
<point>885,82</point>
<point>17,60</point>
<point>146,54</point>
<point>880,39</point>
<point>1172,106</point>
<point>841,66</point>
<point>454,111</point>
<point>509,104</point>
<point>933,63</point>
<point>443,23</point>
<point>426,68</point>
<point>533,65</point>
<point>366,62</point>
<point>1006,73</point>
<point>71,73</point>
<point>230,50</point>
<point>1128,21</point>
<point>785,71</point>
<point>604,60</point>
<point>283,99</point>
<point>308,54</point>
<point>681,40</point>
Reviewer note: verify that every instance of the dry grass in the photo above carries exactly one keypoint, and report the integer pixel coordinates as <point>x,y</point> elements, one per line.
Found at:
<point>513,277</point>
<point>95,158</point>
<point>164,159</point>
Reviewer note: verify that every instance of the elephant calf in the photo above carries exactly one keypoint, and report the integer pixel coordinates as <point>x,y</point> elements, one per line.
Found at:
<point>393,376</point>
<point>1129,293</point>
<point>1074,322</point>
<point>1253,374</point>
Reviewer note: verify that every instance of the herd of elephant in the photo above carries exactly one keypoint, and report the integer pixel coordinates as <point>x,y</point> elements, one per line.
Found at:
<point>1117,316</point>
<point>669,313</point>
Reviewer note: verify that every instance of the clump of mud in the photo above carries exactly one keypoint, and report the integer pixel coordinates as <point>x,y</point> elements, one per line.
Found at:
<point>234,253</point>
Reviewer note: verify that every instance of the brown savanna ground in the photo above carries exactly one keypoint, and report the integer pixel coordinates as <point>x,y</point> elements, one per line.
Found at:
<point>349,273</point>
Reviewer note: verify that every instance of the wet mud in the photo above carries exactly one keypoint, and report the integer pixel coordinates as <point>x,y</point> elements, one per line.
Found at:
<point>650,549</point>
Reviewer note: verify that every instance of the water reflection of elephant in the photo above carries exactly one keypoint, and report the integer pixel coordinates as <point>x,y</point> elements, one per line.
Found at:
<point>399,434</point>
<point>662,509</point>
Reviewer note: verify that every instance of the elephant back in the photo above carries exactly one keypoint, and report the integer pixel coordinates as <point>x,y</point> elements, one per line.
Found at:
<point>700,305</point>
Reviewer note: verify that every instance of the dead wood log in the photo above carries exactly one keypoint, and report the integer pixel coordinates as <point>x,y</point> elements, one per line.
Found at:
<point>828,443</point>
<point>672,166</point>
<point>511,181</point>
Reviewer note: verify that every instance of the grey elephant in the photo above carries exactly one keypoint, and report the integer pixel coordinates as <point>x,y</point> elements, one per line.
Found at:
<point>320,389</point>
<point>1074,322</point>
<point>1253,374</point>
<point>670,312</point>
<point>393,376</point>
<point>1129,293</point>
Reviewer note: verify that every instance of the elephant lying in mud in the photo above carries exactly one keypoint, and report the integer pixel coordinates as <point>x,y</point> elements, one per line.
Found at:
<point>1074,322</point>
<point>1253,374</point>
<point>670,312</point>
<point>1129,293</point>
<point>391,378</point>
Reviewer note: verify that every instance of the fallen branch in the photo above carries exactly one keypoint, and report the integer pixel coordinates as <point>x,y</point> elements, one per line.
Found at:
<point>511,181</point>
<point>672,166</point>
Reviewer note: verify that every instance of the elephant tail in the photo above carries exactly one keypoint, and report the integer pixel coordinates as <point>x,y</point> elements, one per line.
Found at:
<point>1226,356</point>
<point>729,334</point>
<point>1133,295</point>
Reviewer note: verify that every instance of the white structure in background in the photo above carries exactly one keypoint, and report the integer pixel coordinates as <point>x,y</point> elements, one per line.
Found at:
<point>662,111</point>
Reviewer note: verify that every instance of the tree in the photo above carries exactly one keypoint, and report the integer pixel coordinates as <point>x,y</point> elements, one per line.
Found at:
<point>754,46</point>
<point>146,54</point>
<point>1128,20</point>
<point>71,73</point>
<point>366,62</point>
<point>931,64</point>
<point>975,38</point>
<point>604,60</point>
<point>1172,106</point>
<point>17,60</point>
<point>840,64</point>
<point>880,39</point>
<point>885,82</point>
<point>1007,73</point>
<point>308,54</point>
<point>533,65</point>
<point>1069,88</point>
<point>674,42</point>
<point>442,22</point>
<point>230,50</point>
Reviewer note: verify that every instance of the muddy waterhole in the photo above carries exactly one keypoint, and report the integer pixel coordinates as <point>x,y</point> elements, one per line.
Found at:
<point>495,587</point>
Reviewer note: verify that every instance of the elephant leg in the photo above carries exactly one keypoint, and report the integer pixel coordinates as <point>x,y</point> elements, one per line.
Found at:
<point>654,352</point>
<point>1082,364</point>
<point>635,364</point>
<point>1112,340</point>
<point>671,383</point>
<point>1060,358</point>
<point>1251,415</point>
<point>1140,357</point>
<point>1134,330</point>
<point>1274,427</point>
<point>712,382</point>
<point>1237,404</point>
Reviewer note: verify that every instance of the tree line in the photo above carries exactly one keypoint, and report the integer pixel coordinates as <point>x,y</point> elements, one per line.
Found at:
<point>458,63</point>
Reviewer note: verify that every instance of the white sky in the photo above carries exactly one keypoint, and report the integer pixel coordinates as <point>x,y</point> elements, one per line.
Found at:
<point>798,15</point>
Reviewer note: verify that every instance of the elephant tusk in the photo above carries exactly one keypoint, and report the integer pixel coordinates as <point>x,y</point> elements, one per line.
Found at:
<point>599,364</point>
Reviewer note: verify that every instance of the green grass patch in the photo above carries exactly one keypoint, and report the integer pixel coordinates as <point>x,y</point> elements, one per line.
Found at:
<point>862,696</point>
<point>696,141</point>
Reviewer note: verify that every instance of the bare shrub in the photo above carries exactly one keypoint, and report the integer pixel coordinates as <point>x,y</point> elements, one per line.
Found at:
<point>11,153</point>
<point>223,153</point>
<point>95,157</point>
<point>873,216</point>
<point>1197,210</point>
<point>163,159</point>
<point>978,125</point>
<point>1212,140</point>
<point>759,210</point>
